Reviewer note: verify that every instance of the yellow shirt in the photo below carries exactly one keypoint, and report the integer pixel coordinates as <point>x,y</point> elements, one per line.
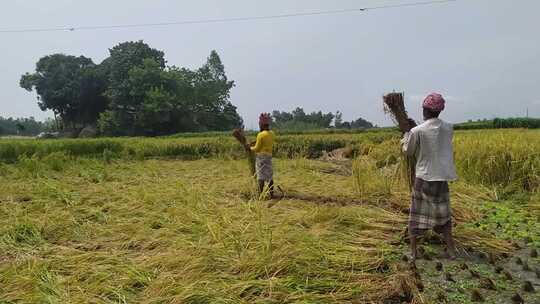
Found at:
<point>265,143</point>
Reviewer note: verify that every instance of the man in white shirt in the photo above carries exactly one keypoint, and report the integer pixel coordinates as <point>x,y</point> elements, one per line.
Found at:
<point>431,145</point>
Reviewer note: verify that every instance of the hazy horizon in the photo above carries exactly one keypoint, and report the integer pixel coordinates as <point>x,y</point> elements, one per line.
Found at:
<point>480,54</point>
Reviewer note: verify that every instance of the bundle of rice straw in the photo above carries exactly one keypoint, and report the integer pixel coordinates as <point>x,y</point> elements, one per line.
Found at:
<point>241,137</point>
<point>394,103</point>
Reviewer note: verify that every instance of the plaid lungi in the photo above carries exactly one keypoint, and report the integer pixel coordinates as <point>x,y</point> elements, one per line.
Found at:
<point>430,208</point>
<point>263,166</point>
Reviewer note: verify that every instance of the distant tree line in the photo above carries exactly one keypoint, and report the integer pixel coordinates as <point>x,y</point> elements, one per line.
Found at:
<point>134,92</point>
<point>298,119</point>
<point>359,123</point>
<point>24,126</point>
<point>19,126</point>
<point>533,123</point>
<point>500,123</point>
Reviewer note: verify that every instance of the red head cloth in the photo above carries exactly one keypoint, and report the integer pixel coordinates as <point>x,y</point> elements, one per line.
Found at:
<point>265,119</point>
<point>434,102</point>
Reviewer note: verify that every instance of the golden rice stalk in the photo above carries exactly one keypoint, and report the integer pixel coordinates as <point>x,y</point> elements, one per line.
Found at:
<point>394,104</point>
<point>240,135</point>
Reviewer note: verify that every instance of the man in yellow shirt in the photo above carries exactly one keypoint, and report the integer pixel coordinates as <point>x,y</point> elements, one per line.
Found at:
<point>263,150</point>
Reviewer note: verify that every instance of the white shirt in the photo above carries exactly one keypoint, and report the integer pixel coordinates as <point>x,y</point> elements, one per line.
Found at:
<point>431,144</point>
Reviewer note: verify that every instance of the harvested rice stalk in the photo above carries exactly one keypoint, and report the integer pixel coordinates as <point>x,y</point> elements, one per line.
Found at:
<point>481,241</point>
<point>476,296</point>
<point>241,137</point>
<point>395,105</point>
<point>528,286</point>
<point>518,299</point>
<point>405,285</point>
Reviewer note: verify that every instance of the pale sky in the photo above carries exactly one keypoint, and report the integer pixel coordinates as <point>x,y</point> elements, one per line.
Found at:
<point>484,55</point>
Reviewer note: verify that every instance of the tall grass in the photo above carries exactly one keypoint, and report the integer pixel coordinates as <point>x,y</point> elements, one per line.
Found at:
<point>504,159</point>
<point>508,159</point>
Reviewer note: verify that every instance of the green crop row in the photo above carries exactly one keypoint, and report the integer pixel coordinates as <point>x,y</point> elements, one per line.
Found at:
<point>287,146</point>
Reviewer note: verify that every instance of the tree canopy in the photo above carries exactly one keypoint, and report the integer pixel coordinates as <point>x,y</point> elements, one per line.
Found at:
<point>69,86</point>
<point>134,92</point>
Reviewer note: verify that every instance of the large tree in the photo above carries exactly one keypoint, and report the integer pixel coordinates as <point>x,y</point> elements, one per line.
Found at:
<point>125,98</point>
<point>124,58</point>
<point>212,107</point>
<point>133,92</point>
<point>163,104</point>
<point>154,99</point>
<point>69,86</point>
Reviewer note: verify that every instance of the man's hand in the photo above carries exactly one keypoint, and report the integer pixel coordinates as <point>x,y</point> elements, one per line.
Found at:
<point>403,126</point>
<point>407,125</point>
<point>412,123</point>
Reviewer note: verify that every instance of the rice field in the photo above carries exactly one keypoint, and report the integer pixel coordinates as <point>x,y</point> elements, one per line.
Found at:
<point>176,220</point>
<point>187,148</point>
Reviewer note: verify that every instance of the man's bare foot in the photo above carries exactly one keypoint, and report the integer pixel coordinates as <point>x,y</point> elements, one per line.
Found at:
<point>409,259</point>
<point>452,252</point>
<point>449,254</point>
<point>413,258</point>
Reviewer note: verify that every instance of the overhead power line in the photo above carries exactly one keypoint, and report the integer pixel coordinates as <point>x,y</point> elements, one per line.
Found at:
<point>222,20</point>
